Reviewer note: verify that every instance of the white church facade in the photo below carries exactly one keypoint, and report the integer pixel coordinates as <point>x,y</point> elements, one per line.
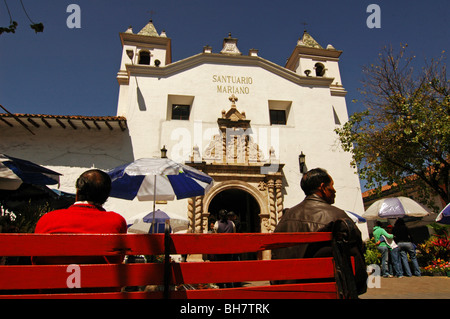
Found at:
<point>245,121</point>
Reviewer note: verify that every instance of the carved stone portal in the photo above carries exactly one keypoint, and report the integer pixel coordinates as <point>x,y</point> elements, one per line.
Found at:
<point>235,161</point>
<point>235,143</point>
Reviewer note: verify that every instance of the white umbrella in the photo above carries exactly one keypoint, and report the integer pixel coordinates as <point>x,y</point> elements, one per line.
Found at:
<point>141,223</point>
<point>444,215</point>
<point>395,207</point>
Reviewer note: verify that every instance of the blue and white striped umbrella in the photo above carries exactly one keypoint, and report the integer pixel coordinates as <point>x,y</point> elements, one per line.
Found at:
<point>157,179</point>
<point>15,171</point>
<point>444,216</point>
<point>355,217</point>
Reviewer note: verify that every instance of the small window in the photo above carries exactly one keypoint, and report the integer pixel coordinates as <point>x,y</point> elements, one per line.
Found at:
<point>144,57</point>
<point>277,117</point>
<point>180,112</point>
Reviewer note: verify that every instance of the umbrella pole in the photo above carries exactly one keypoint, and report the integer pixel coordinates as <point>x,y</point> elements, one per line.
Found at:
<point>154,204</point>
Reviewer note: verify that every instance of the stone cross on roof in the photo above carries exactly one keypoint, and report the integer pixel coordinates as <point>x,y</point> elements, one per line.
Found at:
<point>233,99</point>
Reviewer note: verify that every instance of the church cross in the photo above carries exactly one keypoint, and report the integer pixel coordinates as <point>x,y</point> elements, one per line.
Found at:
<point>304,25</point>
<point>151,14</point>
<point>233,99</point>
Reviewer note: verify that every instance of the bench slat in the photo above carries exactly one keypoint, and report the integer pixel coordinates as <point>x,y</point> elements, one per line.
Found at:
<point>39,280</point>
<point>325,290</point>
<point>237,271</point>
<point>56,276</point>
<point>97,295</point>
<point>137,244</point>
<point>120,275</point>
<point>80,244</point>
<point>240,242</point>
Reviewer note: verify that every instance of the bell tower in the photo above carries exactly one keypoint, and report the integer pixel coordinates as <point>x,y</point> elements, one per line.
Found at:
<point>145,49</point>
<point>310,59</point>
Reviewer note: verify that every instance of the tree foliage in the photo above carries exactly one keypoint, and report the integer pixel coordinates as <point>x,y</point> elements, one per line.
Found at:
<point>403,136</point>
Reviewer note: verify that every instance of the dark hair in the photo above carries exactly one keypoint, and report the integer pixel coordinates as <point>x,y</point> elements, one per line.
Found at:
<point>231,214</point>
<point>93,186</point>
<point>400,223</point>
<point>312,179</point>
<point>223,215</point>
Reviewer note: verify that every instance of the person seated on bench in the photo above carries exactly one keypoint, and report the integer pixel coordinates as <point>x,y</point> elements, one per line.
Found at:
<point>86,215</point>
<point>316,214</point>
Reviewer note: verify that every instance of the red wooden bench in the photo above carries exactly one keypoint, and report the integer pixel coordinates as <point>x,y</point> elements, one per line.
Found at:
<point>38,281</point>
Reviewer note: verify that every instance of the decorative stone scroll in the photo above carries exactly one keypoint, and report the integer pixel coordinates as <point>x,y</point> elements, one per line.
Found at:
<point>195,207</point>
<point>272,206</point>
<point>230,46</point>
<point>279,199</point>
<point>234,143</point>
<point>235,161</point>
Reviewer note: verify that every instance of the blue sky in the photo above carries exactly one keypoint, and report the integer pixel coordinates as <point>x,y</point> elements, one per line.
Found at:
<point>73,71</point>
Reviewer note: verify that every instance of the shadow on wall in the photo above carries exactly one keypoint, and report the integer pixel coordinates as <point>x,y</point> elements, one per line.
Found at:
<point>141,100</point>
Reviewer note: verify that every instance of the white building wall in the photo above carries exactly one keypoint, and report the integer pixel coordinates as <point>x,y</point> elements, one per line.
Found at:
<point>68,151</point>
<point>145,100</point>
<point>310,126</point>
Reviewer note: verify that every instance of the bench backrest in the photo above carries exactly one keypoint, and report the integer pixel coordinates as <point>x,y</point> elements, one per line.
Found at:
<point>37,281</point>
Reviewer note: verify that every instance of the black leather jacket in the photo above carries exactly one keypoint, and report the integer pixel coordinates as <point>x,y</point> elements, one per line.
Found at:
<point>312,215</point>
<point>315,215</point>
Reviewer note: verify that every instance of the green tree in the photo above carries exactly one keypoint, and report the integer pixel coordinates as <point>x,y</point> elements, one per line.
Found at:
<point>403,136</point>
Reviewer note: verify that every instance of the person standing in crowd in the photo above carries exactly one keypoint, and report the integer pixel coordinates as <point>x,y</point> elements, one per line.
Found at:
<point>211,223</point>
<point>237,226</point>
<point>395,268</point>
<point>234,218</point>
<point>406,247</point>
<point>383,247</point>
<point>223,225</point>
<point>314,214</point>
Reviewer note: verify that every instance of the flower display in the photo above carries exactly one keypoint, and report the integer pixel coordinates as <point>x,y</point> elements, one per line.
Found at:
<point>438,266</point>
<point>434,254</point>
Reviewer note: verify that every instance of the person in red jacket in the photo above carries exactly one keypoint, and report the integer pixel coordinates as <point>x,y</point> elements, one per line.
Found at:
<point>86,216</point>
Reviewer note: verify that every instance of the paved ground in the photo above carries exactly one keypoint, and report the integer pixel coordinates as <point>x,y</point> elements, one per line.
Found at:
<point>424,287</point>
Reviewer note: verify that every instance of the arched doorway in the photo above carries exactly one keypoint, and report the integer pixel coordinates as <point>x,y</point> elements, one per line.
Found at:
<point>242,204</point>
<point>247,209</point>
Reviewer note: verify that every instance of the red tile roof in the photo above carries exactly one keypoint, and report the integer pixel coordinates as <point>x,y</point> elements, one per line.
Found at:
<point>65,121</point>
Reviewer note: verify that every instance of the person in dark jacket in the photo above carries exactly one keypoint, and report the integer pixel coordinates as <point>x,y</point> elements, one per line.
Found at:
<point>223,225</point>
<point>316,214</point>
<point>405,243</point>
